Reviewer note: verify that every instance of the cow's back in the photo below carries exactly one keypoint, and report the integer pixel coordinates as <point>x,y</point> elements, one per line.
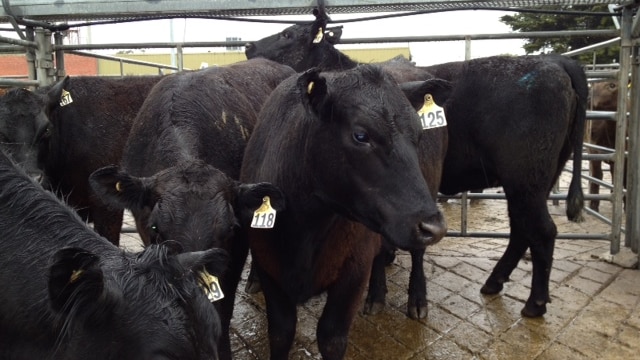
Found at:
<point>495,117</point>
<point>207,114</point>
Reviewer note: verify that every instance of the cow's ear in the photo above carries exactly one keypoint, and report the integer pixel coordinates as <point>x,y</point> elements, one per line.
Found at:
<point>416,90</point>
<point>333,35</point>
<point>214,260</point>
<point>54,94</point>
<point>313,88</point>
<point>75,280</point>
<point>251,196</point>
<point>121,190</point>
<point>319,25</point>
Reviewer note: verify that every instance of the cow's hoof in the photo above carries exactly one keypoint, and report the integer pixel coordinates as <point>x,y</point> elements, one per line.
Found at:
<point>252,287</point>
<point>491,287</point>
<point>533,310</point>
<point>417,312</point>
<point>373,308</point>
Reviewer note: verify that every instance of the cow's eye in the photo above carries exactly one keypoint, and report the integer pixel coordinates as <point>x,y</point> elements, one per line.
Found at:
<point>154,228</point>
<point>286,34</point>
<point>361,137</point>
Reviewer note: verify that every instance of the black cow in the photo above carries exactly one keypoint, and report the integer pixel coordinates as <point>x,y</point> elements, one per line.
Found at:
<point>343,149</point>
<point>68,130</point>
<point>182,161</point>
<point>292,47</point>
<point>24,118</point>
<point>512,121</point>
<point>68,293</point>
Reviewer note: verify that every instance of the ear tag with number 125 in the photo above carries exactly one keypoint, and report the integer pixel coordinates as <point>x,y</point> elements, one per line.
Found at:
<point>431,115</point>
<point>265,216</point>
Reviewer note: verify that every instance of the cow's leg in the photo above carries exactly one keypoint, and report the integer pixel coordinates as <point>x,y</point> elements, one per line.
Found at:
<point>281,317</point>
<point>417,301</point>
<point>377,283</point>
<point>343,299</point>
<point>518,207</point>
<point>594,188</point>
<point>108,223</point>
<point>531,226</point>
<point>542,247</point>
<point>229,284</point>
<point>253,283</point>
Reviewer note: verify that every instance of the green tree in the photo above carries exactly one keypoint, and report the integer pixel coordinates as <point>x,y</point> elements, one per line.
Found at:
<point>526,22</point>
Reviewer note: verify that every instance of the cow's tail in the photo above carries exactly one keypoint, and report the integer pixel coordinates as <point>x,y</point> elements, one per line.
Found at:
<point>575,197</point>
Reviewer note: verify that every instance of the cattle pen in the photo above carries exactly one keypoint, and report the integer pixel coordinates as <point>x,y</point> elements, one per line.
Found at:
<point>612,234</point>
<point>41,29</point>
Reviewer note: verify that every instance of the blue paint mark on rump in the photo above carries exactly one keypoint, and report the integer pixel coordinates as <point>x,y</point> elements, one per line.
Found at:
<point>528,80</point>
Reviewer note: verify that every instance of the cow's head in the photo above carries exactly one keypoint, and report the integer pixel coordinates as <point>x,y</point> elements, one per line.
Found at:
<point>24,123</point>
<point>193,203</point>
<point>299,46</point>
<point>366,162</point>
<point>603,96</point>
<point>150,305</point>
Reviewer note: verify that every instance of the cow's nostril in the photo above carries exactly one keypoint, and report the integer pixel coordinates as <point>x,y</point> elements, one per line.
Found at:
<point>248,46</point>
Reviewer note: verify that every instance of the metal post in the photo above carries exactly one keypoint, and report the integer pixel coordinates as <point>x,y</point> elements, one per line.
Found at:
<point>31,55</point>
<point>632,234</point>
<point>467,47</point>
<point>60,69</point>
<point>621,129</point>
<point>44,58</point>
<point>180,57</point>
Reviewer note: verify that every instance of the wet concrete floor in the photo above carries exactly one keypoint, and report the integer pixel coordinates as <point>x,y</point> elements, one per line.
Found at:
<point>594,314</point>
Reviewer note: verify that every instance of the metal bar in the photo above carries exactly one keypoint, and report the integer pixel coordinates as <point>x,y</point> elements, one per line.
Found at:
<point>404,39</point>
<point>44,59</point>
<point>593,47</point>
<point>17,83</point>
<point>19,42</point>
<point>99,9</point>
<point>601,74</point>
<point>59,54</point>
<point>124,60</point>
<point>621,128</point>
<point>632,237</point>
<point>30,54</point>
<point>497,235</point>
<point>601,115</point>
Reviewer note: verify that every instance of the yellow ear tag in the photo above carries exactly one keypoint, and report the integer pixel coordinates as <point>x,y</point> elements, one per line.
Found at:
<point>118,186</point>
<point>310,87</point>
<point>213,291</point>
<point>265,216</point>
<point>65,98</point>
<point>431,115</point>
<point>319,36</point>
<point>75,275</point>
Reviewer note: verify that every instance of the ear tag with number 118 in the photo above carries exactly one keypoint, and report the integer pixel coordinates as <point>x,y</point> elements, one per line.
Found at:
<point>265,216</point>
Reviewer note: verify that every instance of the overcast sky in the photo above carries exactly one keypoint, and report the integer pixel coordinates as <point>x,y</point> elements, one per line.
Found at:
<point>448,23</point>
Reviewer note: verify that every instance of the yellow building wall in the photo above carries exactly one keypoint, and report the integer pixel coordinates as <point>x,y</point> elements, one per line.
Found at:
<point>196,60</point>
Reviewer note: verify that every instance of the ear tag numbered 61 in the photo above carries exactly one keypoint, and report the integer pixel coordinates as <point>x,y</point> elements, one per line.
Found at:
<point>265,216</point>
<point>431,115</point>
<point>214,291</point>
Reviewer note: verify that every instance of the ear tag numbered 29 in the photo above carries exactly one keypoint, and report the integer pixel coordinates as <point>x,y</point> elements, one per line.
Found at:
<point>265,216</point>
<point>431,115</point>
<point>214,291</point>
<point>65,98</point>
